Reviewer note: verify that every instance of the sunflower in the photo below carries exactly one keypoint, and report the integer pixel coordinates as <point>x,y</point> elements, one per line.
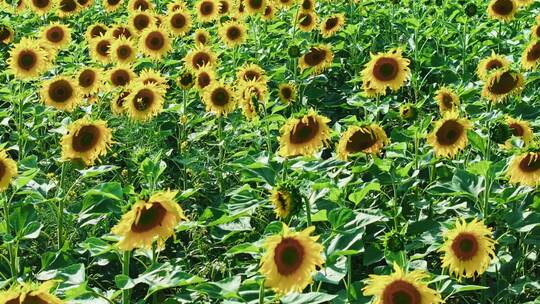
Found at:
<point>177,5</point>
<point>144,101</point>
<point>57,35</point>
<point>287,92</point>
<point>201,37</point>
<point>468,249</point>
<point>147,221</point>
<point>449,135</point>
<point>369,139</point>
<point>370,92</point>
<point>204,77</point>
<point>207,10</point>
<point>8,170</point>
<point>30,293</point>
<point>502,10</point>
<point>331,25</point>
<point>249,109</point>
<point>96,30</point>
<point>86,140</point>
<point>307,21</point>
<point>85,4</point>
<point>61,93</point>
<point>112,5</point>
<point>199,57</point>
<point>408,111</point>
<point>152,76</point>
<point>401,287</point>
<point>520,128</point>
<point>524,169</point>
<point>447,99</point>
<point>531,56</point>
<point>308,5</point>
<point>269,12</point>
<point>524,3</point>
<point>387,70</point>
<point>225,7</point>
<point>123,50</point>
<point>120,76</point>
<point>186,80</point>
<point>233,33</point>
<point>121,31</point>
<point>535,31</point>
<point>89,80</point>
<point>289,260</point>
<point>219,99</point>
<point>139,6</point>
<point>491,64</point>
<point>41,7</point>
<point>251,72</point>
<point>117,103</point>
<point>28,59</point>
<point>179,22</point>
<point>318,58</point>
<point>304,136</point>
<point>253,89</point>
<point>239,10</point>
<point>155,42</point>
<point>255,6</point>
<point>501,84</point>
<point>100,49</point>
<point>286,200</point>
<point>141,20</point>
<point>285,3</point>
<point>6,34</point>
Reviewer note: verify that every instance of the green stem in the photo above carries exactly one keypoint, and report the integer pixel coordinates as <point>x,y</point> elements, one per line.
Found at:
<point>308,212</point>
<point>125,271</point>
<point>11,250</point>
<point>220,155</point>
<point>183,137</point>
<point>261,293</point>
<point>60,211</point>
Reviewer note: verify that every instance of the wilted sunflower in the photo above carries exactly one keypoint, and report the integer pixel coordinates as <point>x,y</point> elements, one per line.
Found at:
<point>28,59</point>
<point>112,5</point>
<point>117,103</point>
<point>57,35</point>
<point>186,80</point>
<point>219,99</point>
<point>144,101</point>
<point>26,293</point>
<point>61,93</point>
<point>290,259</point>
<point>524,169</point>
<point>139,6</point>
<point>447,99</point>
<point>199,57</point>
<point>254,6</point>
<point>8,170</point>
<point>387,70</point>
<point>401,287</point>
<point>285,201</point>
<point>307,21</point>
<point>287,92</point>
<point>531,56</point>
<point>233,33</point>
<point>502,10</point>
<point>89,80</point>
<point>468,249</point>
<point>41,7</point>
<point>86,140</point>
<point>204,77</point>
<point>141,20</point>
<point>6,34</point>
<point>155,42</point>
<point>121,31</point>
<point>100,49</point>
<point>318,58</point>
<point>95,30</point>
<point>148,221</point>
<point>305,135</point>
<point>123,50</point>
<point>67,8</point>
<point>491,64</point>
<point>449,135</point>
<point>201,37</point>
<point>251,72</point>
<point>152,76</point>
<point>501,84</point>
<point>179,22</point>
<point>332,24</point>
<point>520,128</point>
<point>225,7</point>
<point>207,10</point>
<point>120,76</point>
<point>369,139</point>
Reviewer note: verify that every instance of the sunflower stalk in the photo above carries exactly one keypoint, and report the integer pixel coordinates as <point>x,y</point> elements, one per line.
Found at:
<point>220,155</point>
<point>125,271</point>
<point>308,211</point>
<point>60,213</point>
<point>12,251</point>
<point>261,292</point>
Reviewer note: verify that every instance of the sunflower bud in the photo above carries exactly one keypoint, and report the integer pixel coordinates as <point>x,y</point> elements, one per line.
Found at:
<point>294,51</point>
<point>408,111</point>
<point>471,9</point>
<point>394,241</point>
<point>500,132</point>
<point>184,119</point>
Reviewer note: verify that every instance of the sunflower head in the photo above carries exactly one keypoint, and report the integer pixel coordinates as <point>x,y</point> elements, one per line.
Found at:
<point>318,59</point>
<point>95,30</point>
<point>308,5</point>
<point>368,139</point>
<point>86,140</point>
<point>177,5</point>
<point>67,8</point>
<point>57,35</point>
<point>112,5</point>
<point>141,20</point>
<point>332,24</point>
<point>219,99</point>
<point>251,72</point>
<point>89,80</point>
<point>186,80</point>
<point>61,93</point>
<point>305,135</point>
<point>31,293</point>
<point>201,37</point>
<point>530,58</point>
<point>502,84</point>
<point>524,169</point>
<point>394,241</point>
<point>286,200</point>
<point>204,77</point>
<point>179,22</point>
<point>307,21</point>
<point>387,70</point>
<point>449,135</point>
<point>502,10</point>
<point>139,6</point>
<point>253,90</point>
<point>520,128</point>
<point>491,64</point>
<point>8,170</point>
<point>287,92</point>
<point>6,34</point>
<point>254,6</point>
<point>117,103</point>
<point>225,7</point>
<point>153,76</point>
<point>207,10</point>
<point>155,42</point>
<point>121,31</point>
<point>144,101</point>
<point>269,12</point>
<point>120,76</point>
<point>41,7</point>
<point>408,111</point>
<point>233,33</point>
<point>447,99</point>
<point>28,59</point>
<point>123,50</point>
<point>100,49</point>
<point>199,57</point>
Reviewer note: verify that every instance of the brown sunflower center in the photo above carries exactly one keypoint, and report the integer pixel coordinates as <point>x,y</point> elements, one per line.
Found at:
<point>223,7</point>
<point>2,169</point>
<point>207,8</point>
<point>149,218</point>
<point>282,201</point>
<point>537,30</point>
<point>386,69</point>
<point>255,4</point>
<point>4,33</point>
<point>286,92</point>
<point>155,41</point>
<point>55,34</point>
<point>306,19</point>
<point>331,23</point>
<point>203,79</point>
<point>97,31</point>
<point>303,132</point>
<point>288,256</point>
<point>360,141</point>
<point>120,78</point>
<point>41,3</point>
<point>465,246</point>
<point>493,64</point>
<point>401,292</point>
<point>517,129</point>
<point>113,2</point>
<point>60,91</point>
<point>178,21</point>
<point>503,84</point>
<point>141,5</point>
<point>83,2</point>
<point>447,101</point>
<point>27,60</point>
<point>86,139</point>
<point>449,132</point>
<point>29,299</point>
<point>141,22</point>
<point>103,47</point>
<point>68,6</point>
<point>201,39</point>
<point>530,163</point>
<point>87,78</point>
<point>186,79</point>
<point>121,99</point>
<point>314,57</point>
<point>503,7</point>
<point>124,52</point>
<point>534,53</point>
<point>121,31</point>
<point>307,5</point>
<point>220,97</point>
<point>200,59</point>
<point>144,99</point>
<point>233,33</point>
<point>268,11</point>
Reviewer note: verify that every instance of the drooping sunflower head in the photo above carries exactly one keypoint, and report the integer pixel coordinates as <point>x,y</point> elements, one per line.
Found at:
<point>28,59</point>
<point>204,77</point>
<point>96,30</point>
<point>289,260</point>
<point>89,80</point>
<point>491,64</point>
<point>524,169</point>
<point>530,58</point>
<point>149,221</point>
<point>179,22</point>
<point>121,31</point>
<point>100,49</point>
<point>318,59</point>
<point>29,293</point>
<point>449,135</point>
<point>201,37</point>
<point>123,50</point>
<point>186,80</point>
<point>502,10</point>
<point>233,33</point>
<point>155,42</point>
<point>141,20</point>
<point>153,76</point>
<point>8,170</point>
<point>519,128</point>
<point>199,57</point>
<point>219,99</point>
<point>139,6</point>
<point>57,35</point>
<point>305,135</point>
<point>144,101</point>
<point>369,139</point>
<point>401,287</point>
<point>447,99</point>
<point>387,70</point>
<point>255,6</point>
<point>287,92</point>
<point>68,8</point>
<point>502,84</point>
<point>408,111</point>
<point>86,140</point>
<point>41,7</point>
<point>6,34</point>
<point>468,249</point>
<point>332,24</point>
<point>112,5</point>
<point>207,10</point>
<point>286,200</point>
<point>120,76</point>
<point>370,92</point>
<point>307,21</point>
<point>61,93</point>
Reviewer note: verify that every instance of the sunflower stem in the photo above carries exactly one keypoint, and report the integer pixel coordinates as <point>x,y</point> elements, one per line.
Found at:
<point>261,292</point>
<point>184,108</point>
<point>11,251</point>
<point>60,211</point>
<point>125,271</point>
<point>308,212</point>
<point>220,155</point>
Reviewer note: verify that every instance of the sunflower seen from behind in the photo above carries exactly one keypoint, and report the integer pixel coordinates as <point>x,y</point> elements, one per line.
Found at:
<point>149,221</point>
<point>290,259</point>
<point>30,293</point>
<point>28,59</point>
<point>304,136</point>
<point>61,93</point>
<point>219,99</point>
<point>318,59</point>
<point>468,249</point>
<point>8,170</point>
<point>449,135</point>
<point>447,99</point>
<point>524,169</point>
<point>145,101</point>
<point>369,139</point>
<point>387,70</point>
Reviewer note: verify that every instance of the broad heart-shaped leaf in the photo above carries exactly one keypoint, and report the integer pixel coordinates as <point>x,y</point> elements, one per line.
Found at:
<point>224,289</point>
<point>104,198</point>
<point>358,196</point>
<point>25,222</point>
<point>304,298</point>
<point>71,276</point>
<point>463,183</point>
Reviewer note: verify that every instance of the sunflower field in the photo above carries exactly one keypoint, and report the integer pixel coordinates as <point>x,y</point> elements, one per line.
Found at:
<point>269,151</point>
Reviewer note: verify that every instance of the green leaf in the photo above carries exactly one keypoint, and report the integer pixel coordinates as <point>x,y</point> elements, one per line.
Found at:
<point>358,196</point>
<point>303,298</point>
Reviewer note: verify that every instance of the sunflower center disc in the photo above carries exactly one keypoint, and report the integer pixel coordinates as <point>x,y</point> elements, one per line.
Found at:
<point>360,140</point>
<point>143,100</point>
<point>201,59</point>
<point>503,7</point>
<point>55,35</point>
<point>29,300</point>
<point>505,84</point>
<point>178,21</point>
<point>2,169</point>
<point>256,4</point>
<point>27,60</point>
<point>314,57</point>
<point>385,69</point>
<point>465,246</point>
<point>113,2</point>
<point>530,163</point>
<point>401,292</point>
<point>207,8</point>
<point>68,5</point>
<point>86,138</point>
<point>534,53</point>
<point>233,33</point>
<point>120,78</point>
<point>304,132</point>
<point>331,23</point>
<point>141,22</point>
<point>288,256</point>
<point>517,130</point>
<point>124,52</point>
<point>155,41</point>
<point>60,91</point>
<point>493,64</point>
<point>141,5</point>
<point>4,33</point>
<point>149,218</point>
<point>97,31</point>
<point>204,80</point>
<point>286,92</point>
<point>449,133</point>
<point>447,101</point>
<point>220,97</point>
<point>40,3</point>
<point>103,48</point>
<point>86,78</point>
